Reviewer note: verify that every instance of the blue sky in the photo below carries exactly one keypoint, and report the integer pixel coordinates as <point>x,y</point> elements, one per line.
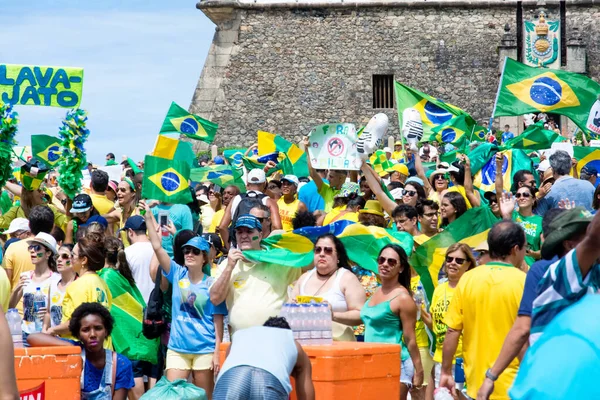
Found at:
<point>137,57</point>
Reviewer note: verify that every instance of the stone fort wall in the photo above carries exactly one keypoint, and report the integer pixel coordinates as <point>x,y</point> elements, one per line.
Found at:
<point>286,70</point>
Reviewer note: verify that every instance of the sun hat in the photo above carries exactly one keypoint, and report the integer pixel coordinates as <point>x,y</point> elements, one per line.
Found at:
<point>198,243</point>
<point>548,176</point>
<point>398,143</point>
<point>544,165</point>
<point>372,207</point>
<point>563,227</point>
<point>46,240</point>
<point>17,224</point>
<point>387,150</point>
<point>348,188</point>
<point>81,203</point>
<point>248,221</point>
<point>112,185</point>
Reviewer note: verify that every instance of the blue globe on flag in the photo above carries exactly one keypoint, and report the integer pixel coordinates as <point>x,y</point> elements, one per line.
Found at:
<point>488,172</point>
<point>436,114</point>
<point>448,135</point>
<point>546,91</point>
<point>53,153</point>
<point>170,181</point>
<point>189,126</point>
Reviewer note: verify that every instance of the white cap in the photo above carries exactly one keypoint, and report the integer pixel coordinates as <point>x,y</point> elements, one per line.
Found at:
<point>291,178</point>
<point>256,176</point>
<point>387,150</point>
<point>397,193</point>
<point>17,224</point>
<point>544,165</point>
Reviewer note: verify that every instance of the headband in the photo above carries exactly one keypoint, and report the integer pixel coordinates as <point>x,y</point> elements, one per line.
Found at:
<point>130,182</point>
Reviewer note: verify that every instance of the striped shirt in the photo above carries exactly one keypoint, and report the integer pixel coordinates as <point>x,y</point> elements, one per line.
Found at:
<point>561,286</point>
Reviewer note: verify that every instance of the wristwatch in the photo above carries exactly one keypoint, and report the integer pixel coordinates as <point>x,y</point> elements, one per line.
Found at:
<point>490,375</point>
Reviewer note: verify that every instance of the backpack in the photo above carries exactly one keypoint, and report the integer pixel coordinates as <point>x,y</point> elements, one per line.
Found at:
<point>154,323</point>
<point>248,201</point>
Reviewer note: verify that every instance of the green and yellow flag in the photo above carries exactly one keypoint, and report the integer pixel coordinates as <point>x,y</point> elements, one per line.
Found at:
<point>46,148</point>
<point>456,131</point>
<point>587,157</point>
<point>483,166</point>
<point>535,137</point>
<point>380,163</point>
<point>222,175</point>
<point>178,120</point>
<point>128,312</point>
<point>270,143</point>
<point>470,228</point>
<point>525,89</point>
<point>234,157</point>
<point>166,180</point>
<point>174,149</point>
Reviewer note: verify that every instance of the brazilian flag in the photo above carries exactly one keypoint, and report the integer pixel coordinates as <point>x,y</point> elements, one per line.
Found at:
<point>483,165</point>
<point>166,180</point>
<point>174,149</point>
<point>434,112</point>
<point>586,157</point>
<point>222,175</point>
<point>269,143</point>
<point>456,131</point>
<point>46,149</point>
<point>535,137</point>
<point>525,89</point>
<point>178,120</point>
<point>234,157</point>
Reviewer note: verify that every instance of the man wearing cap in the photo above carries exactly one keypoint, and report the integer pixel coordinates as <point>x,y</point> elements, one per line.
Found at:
<point>253,291</point>
<point>483,309</point>
<point>590,174</point>
<point>519,333</point>
<point>139,254</point>
<point>398,153</point>
<point>398,173</point>
<point>255,186</point>
<point>289,204</point>
<point>17,230</point>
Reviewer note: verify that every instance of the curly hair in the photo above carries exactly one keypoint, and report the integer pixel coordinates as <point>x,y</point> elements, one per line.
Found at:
<point>86,309</point>
<point>277,322</point>
<point>368,219</point>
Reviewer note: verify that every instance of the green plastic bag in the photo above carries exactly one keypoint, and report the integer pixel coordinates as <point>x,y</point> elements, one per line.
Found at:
<point>179,389</point>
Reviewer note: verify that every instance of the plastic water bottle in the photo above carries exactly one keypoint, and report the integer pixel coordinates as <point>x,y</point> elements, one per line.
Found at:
<point>315,330</point>
<point>285,310</point>
<point>293,320</point>
<point>419,298</point>
<point>442,393</point>
<point>14,324</point>
<point>326,334</point>
<point>39,302</point>
<point>305,324</point>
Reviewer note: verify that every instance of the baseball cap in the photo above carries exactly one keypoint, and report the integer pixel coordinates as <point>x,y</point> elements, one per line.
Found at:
<point>113,185</point>
<point>544,165</point>
<point>563,227</point>
<point>291,178</point>
<point>46,240</point>
<point>219,160</point>
<point>81,203</point>
<point>248,221</point>
<point>198,243</point>
<point>215,241</point>
<point>589,170</point>
<point>414,179</point>
<point>17,224</point>
<point>135,223</point>
<point>398,143</point>
<point>401,168</point>
<point>256,176</point>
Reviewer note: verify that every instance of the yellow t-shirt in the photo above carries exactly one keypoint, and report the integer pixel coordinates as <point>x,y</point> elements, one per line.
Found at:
<point>439,306</point>
<point>462,191</point>
<point>328,194</point>
<point>420,332</point>
<point>101,203</point>
<point>216,220</point>
<point>4,290</point>
<point>256,292</point>
<point>206,217</point>
<point>398,155</point>
<point>60,219</point>
<point>18,260</point>
<point>420,239</point>
<point>287,212</point>
<point>484,307</point>
<point>89,288</point>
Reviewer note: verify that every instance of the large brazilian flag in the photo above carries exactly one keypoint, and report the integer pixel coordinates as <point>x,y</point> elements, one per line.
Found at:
<point>525,89</point>
<point>166,180</point>
<point>178,120</point>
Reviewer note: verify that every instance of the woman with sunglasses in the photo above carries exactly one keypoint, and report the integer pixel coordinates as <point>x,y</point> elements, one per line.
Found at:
<point>197,324</point>
<point>437,182</point>
<point>459,260</point>
<point>452,207</point>
<point>332,280</point>
<point>64,266</point>
<point>42,250</point>
<point>390,314</point>
<point>532,224</point>
<point>30,199</point>
<point>128,197</point>
<point>412,193</point>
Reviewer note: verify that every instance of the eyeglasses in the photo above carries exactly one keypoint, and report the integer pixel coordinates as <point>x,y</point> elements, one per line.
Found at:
<point>408,193</point>
<point>458,260</point>
<point>35,247</point>
<point>431,214</point>
<point>189,250</point>
<point>262,219</point>
<point>530,183</point>
<point>439,178</point>
<point>327,250</point>
<point>124,190</point>
<point>64,256</point>
<point>525,195</point>
<point>392,262</point>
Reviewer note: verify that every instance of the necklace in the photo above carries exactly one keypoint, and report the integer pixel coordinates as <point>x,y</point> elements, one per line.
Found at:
<point>327,280</point>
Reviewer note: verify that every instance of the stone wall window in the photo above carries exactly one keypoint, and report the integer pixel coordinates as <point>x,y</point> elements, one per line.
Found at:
<point>383,91</point>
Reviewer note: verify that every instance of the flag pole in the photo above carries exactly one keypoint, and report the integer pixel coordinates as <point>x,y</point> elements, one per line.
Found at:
<point>498,93</point>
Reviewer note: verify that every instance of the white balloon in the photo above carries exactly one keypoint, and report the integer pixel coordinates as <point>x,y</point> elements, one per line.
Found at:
<point>370,138</point>
<point>412,126</point>
<point>593,122</point>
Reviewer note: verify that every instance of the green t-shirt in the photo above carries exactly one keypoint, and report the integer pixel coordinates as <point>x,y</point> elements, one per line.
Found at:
<point>533,231</point>
<point>327,193</point>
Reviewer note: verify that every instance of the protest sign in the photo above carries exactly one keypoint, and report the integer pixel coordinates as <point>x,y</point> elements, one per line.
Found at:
<point>333,146</point>
<point>41,86</point>
<point>113,171</point>
<point>564,146</point>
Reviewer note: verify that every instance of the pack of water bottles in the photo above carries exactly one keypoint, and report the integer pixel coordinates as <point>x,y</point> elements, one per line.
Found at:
<point>14,324</point>
<point>310,322</point>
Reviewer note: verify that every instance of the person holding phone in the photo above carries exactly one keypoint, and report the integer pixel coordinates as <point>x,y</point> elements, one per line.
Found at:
<point>172,218</point>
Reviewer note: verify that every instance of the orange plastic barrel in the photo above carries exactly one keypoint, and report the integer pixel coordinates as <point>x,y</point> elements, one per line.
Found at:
<point>352,370</point>
<point>48,372</point>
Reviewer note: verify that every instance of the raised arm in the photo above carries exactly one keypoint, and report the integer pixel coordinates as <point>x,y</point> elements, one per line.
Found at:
<point>499,177</point>
<point>275,217</point>
<point>373,180</point>
<point>163,258</point>
<point>588,250</point>
<point>223,228</point>
<point>421,174</point>
<point>313,173</point>
<point>473,196</point>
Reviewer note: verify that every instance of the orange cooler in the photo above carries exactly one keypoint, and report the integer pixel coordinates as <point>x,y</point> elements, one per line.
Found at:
<point>48,372</point>
<point>353,370</point>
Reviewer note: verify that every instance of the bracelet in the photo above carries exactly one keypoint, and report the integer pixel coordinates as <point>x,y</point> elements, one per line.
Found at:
<point>490,375</point>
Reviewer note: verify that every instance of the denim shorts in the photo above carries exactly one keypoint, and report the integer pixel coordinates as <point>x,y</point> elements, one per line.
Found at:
<point>407,371</point>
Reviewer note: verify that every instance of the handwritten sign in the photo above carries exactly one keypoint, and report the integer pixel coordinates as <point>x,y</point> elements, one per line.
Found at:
<point>41,86</point>
<point>333,146</point>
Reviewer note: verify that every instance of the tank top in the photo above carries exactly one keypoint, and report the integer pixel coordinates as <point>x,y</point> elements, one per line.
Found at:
<point>56,300</point>
<point>270,349</point>
<point>334,295</point>
<point>382,325</point>
<point>287,212</point>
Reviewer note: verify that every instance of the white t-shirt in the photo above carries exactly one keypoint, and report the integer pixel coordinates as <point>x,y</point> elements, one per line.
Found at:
<point>29,291</point>
<point>139,256</point>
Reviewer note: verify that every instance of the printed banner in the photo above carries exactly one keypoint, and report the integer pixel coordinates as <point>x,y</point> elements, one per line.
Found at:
<point>30,85</point>
<point>37,393</point>
<point>333,146</point>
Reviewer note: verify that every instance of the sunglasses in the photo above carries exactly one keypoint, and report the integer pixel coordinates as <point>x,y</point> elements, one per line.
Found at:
<point>35,247</point>
<point>458,260</point>
<point>392,262</point>
<point>124,190</point>
<point>493,200</point>
<point>262,220</point>
<point>327,250</point>
<point>189,250</point>
<point>439,178</point>
<point>525,195</point>
<point>64,256</point>
<point>409,193</point>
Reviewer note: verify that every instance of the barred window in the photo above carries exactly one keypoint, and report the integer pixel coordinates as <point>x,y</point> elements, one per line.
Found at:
<point>383,91</point>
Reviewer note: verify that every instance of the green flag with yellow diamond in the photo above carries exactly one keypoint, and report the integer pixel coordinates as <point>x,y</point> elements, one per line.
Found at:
<point>178,120</point>
<point>221,175</point>
<point>46,148</point>
<point>166,180</point>
<point>535,137</point>
<point>525,89</point>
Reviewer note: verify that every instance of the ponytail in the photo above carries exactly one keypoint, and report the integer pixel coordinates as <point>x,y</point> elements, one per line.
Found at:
<point>115,255</point>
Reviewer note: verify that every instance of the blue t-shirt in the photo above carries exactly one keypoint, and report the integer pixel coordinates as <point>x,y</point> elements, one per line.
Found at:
<point>534,276</point>
<point>123,378</point>
<point>567,187</point>
<point>310,196</point>
<point>506,136</point>
<point>192,326</point>
<point>180,215</point>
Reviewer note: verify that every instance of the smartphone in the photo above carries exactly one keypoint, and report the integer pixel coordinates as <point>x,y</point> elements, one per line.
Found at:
<point>163,218</point>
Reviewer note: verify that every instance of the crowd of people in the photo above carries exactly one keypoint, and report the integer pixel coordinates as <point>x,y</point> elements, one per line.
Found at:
<point>489,305</point>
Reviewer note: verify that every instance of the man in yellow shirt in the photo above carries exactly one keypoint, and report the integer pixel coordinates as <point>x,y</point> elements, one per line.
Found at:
<point>484,308</point>
<point>229,193</point>
<point>253,291</point>
<point>289,204</point>
<point>98,187</point>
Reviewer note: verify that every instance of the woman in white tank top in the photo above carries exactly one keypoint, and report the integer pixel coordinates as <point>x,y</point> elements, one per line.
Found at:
<point>332,280</point>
